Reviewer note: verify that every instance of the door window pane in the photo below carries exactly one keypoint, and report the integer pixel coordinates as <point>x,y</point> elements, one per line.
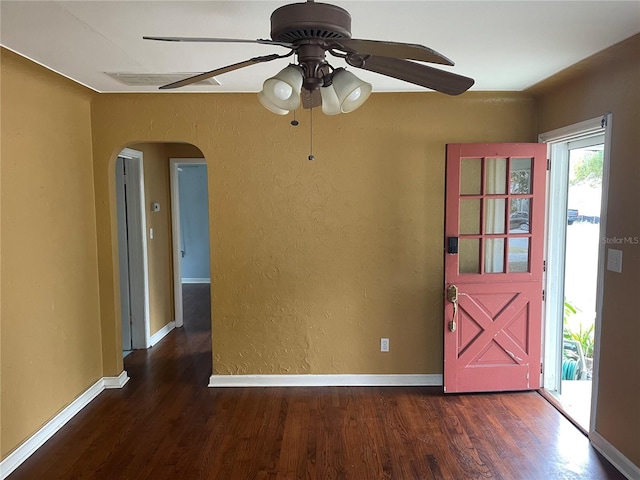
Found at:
<point>519,216</point>
<point>469,255</point>
<point>495,176</point>
<point>494,215</point>
<point>494,255</point>
<point>470,176</point>
<point>470,217</point>
<point>520,181</point>
<point>518,255</point>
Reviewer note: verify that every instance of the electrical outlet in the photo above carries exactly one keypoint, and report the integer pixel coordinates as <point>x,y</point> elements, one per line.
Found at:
<point>384,344</point>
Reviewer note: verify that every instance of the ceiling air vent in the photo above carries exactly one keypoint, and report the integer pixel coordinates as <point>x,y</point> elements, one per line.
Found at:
<point>157,79</point>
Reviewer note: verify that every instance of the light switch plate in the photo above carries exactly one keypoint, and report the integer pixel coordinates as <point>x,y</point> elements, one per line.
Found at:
<point>614,260</point>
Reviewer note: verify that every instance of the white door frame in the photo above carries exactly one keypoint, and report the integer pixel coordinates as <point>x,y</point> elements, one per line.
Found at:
<point>175,163</point>
<point>137,243</point>
<point>556,229</point>
<point>122,165</point>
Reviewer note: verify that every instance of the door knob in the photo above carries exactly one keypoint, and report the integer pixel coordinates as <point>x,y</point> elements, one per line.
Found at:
<point>452,295</point>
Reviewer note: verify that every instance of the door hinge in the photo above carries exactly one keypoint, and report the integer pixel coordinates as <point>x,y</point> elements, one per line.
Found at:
<point>543,295</point>
<point>541,368</point>
<point>544,265</point>
<point>548,164</point>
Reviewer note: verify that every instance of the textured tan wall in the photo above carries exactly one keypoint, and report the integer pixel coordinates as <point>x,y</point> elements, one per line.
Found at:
<point>182,150</point>
<point>610,82</point>
<point>312,262</point>
<point>50,351</point>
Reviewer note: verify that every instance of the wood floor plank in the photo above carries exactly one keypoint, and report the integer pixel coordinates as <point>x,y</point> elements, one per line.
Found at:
<point>166,424</point>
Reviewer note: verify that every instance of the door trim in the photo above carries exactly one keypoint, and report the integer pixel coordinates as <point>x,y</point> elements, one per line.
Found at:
<point>137,241</point>
<point>583,129</point>
<point>122,164</point>
<point>174,163</point>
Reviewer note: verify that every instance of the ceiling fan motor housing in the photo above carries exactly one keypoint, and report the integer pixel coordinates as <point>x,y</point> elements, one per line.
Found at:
<point>310,20</point>
<point>310,26</point>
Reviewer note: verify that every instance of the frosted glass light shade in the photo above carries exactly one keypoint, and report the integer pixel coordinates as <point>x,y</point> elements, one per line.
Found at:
<point>330,102</point>
<point>262,98</point>
<point>283,90</point>
<point>350,90</point>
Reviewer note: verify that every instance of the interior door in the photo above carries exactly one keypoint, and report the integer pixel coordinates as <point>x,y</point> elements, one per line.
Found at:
<point>494,227</point>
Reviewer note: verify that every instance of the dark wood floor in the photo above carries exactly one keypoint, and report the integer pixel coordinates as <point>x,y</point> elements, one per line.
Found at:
<point>166,424</point>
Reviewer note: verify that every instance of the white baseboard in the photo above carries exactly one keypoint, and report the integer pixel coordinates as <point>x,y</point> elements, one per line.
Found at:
<point>160,334</point>
<point>116,382</point>
<point>196,280</point>
<point>617,459</point>
<point>49,429</point>
<point>341,380</point>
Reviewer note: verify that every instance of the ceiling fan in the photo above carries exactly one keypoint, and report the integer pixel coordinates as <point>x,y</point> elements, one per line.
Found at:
<point>310,30</point>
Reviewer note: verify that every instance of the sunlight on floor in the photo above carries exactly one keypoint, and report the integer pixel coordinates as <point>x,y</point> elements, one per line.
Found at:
<point>576,401</point>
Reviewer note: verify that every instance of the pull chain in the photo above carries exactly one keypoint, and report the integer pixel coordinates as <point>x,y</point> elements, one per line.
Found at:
<point>311,157</point>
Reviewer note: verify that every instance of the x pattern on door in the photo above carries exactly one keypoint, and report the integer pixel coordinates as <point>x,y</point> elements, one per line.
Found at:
<point>494,348</point>
<point>503,318</point>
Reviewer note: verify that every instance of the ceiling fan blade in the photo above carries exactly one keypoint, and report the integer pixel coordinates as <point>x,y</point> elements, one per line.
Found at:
<point>219,40</point>
<point>379,48</point>
<point>439,80</point>
<point>220,71</point>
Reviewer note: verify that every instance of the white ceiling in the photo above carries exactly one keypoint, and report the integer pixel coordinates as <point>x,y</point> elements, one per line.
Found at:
<point>503,45</point>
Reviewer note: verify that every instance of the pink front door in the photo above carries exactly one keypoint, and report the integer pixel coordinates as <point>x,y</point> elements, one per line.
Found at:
<point>494,227</point>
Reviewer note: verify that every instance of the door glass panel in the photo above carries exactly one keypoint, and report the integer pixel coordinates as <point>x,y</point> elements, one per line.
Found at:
<point>470,217</point>
<point>520,214</point>
<point>495,176</point>
<point>469,255</point>
<point>520,181</point>
<point>494,215</point>
<point>470,176</point>
<point>518,255</point>
<point>494,255</point>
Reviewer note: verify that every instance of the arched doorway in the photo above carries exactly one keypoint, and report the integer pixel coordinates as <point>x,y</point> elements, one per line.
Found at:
<point>147,211</point>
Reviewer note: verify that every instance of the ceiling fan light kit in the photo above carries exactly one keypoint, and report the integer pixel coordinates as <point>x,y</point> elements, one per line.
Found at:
<point>266,103</point>
<point>330,101</point>
<point>350,90</point>
<point>283,90</point>
<point>311,30</point>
